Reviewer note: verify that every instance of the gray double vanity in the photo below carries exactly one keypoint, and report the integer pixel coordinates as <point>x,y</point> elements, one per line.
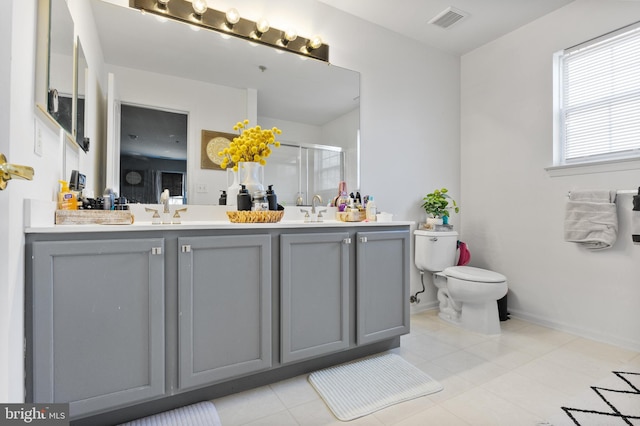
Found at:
<point>127,320</point>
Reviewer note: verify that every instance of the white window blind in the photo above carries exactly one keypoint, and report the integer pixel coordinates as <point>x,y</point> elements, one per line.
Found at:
<point>600,98</point>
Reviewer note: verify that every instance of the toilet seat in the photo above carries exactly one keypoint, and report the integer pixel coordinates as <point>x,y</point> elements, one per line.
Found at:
<point>470,273</point>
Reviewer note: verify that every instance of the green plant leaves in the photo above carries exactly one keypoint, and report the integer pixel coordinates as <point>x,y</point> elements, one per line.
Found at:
<point>436,203</point>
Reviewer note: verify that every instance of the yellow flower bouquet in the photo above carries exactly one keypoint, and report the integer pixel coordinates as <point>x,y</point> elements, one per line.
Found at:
<point>253,144</point>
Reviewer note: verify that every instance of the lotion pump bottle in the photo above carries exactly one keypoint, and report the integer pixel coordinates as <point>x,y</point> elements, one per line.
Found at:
<point>272,199</point>
<point>223,198</point>
<point>244,199</point>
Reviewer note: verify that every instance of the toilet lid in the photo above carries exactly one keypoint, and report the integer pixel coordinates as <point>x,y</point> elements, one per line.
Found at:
<point>469,273</point>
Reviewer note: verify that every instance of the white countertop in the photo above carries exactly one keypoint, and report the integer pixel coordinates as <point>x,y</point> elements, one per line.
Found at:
<point>39,218</point>
<point>213,224</point>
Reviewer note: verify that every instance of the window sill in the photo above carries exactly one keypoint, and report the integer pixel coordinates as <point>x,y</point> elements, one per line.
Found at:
<point>594,167</point>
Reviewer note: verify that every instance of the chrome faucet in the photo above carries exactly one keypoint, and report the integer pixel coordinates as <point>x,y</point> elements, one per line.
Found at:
<point>313,203</point>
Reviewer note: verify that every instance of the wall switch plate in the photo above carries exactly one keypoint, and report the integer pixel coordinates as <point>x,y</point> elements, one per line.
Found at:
<point>37,140</point>
<point>201,188</point>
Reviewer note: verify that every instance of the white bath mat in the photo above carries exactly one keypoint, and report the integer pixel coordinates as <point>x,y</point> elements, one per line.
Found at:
<point>362,387</point>
<point>200,414</point>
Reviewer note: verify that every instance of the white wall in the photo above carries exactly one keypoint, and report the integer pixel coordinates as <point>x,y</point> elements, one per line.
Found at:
<point>513,209</point>
<point>409,116</point>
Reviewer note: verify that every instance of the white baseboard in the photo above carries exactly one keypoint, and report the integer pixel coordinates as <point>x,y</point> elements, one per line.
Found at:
<point>578,331</point>
<point>423,306</point>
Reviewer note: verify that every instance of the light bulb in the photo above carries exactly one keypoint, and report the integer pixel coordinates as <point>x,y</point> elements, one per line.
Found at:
<point>314,43</point>
<point>289,36</point>
<point>232,16</point>
<point>262,26</point>
<point>199,6</point>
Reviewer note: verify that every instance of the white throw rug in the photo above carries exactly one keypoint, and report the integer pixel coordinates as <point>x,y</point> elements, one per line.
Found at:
<point>362,387</point>
<point>614,401</point>
<point>200,414</point>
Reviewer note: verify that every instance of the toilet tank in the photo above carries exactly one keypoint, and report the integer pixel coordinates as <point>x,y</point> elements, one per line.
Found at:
<point>435,251</point>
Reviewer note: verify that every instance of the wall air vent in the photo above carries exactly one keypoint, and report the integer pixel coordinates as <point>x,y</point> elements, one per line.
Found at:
<point>448,17</point>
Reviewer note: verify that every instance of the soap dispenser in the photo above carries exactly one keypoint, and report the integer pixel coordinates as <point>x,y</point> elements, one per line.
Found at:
<point>244,199</point>
<point>66,198</point>
<point>272,199</point>
<point>222,201</point>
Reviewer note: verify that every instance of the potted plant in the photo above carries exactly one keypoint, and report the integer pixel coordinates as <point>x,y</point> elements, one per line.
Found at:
<point>436,204</point>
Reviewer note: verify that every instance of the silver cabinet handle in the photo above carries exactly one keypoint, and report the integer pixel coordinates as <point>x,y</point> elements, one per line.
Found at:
<point>363,239</point>
<point>186,248</point>
<point>347,241</point>
<point>156,250</point>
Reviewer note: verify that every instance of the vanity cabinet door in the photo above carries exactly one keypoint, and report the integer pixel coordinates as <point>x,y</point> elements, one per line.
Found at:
<point>224,299</point>
<point>97,317</point>
<point>382,285</point>
<point>314,308</point>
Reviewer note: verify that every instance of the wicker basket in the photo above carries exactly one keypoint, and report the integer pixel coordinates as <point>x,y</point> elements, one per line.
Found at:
<point>266,216</point>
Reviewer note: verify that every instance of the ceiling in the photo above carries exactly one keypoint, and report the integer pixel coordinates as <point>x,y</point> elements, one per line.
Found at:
<point>487,20</point>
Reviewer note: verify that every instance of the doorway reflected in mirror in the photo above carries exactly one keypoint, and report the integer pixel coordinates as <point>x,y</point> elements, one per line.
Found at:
<point>153,154</point>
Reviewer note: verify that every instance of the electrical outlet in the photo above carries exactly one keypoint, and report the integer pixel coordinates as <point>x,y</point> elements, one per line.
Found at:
<point>37,141</point>
<point>201,188</point>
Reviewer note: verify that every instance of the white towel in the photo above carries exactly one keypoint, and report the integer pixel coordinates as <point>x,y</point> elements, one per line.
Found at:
<point>591,219</point>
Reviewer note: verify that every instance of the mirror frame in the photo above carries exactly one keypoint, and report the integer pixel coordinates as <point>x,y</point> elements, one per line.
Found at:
<point>42,64</point>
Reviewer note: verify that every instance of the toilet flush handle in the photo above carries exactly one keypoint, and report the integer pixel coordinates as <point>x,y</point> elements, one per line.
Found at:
<point>433,239</point>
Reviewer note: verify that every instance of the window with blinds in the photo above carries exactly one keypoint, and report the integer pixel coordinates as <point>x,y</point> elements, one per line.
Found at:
<point>598,98</point>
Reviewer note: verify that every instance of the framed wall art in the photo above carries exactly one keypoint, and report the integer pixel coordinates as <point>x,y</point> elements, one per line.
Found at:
<point>212,143</point>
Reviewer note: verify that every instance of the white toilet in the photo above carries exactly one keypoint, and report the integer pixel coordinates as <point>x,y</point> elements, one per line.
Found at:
<point>467,295</point>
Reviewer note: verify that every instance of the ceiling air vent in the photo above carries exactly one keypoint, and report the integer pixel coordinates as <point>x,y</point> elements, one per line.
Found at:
<point>448,17</point>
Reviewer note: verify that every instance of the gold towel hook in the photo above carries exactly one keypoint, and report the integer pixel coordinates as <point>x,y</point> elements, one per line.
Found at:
<point>10,171</point>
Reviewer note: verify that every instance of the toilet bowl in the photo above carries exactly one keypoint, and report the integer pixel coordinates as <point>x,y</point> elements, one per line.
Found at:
<point>467,295</point>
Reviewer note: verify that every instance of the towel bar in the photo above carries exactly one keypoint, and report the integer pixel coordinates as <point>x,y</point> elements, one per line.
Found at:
<point>619,191</point>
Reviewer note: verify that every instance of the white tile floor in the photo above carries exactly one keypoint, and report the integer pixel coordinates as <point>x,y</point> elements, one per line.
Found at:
<point>522,377</point>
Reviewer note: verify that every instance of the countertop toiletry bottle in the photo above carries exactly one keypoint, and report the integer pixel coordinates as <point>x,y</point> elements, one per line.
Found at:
<point>223,198</point>
<point>244,199</point>
<point>272,199</point>
<point>109,199</point>
<point>342,200</point>
<point>635,219</point>
<point>260,202</point>
<point>371,209</point>
<point>66,199</point>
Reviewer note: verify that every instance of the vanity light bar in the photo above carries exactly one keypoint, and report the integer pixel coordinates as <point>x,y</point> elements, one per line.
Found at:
<point>182,10</point>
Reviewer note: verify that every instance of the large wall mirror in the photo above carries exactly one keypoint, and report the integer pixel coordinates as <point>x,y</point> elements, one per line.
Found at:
<point>216,82</point>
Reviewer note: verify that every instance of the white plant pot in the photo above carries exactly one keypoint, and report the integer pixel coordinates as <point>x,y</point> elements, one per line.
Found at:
<point>432,222</point>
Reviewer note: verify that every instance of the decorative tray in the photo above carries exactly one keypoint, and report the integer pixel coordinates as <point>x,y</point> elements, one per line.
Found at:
<point>266,216</point>
<point>93,217</point>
